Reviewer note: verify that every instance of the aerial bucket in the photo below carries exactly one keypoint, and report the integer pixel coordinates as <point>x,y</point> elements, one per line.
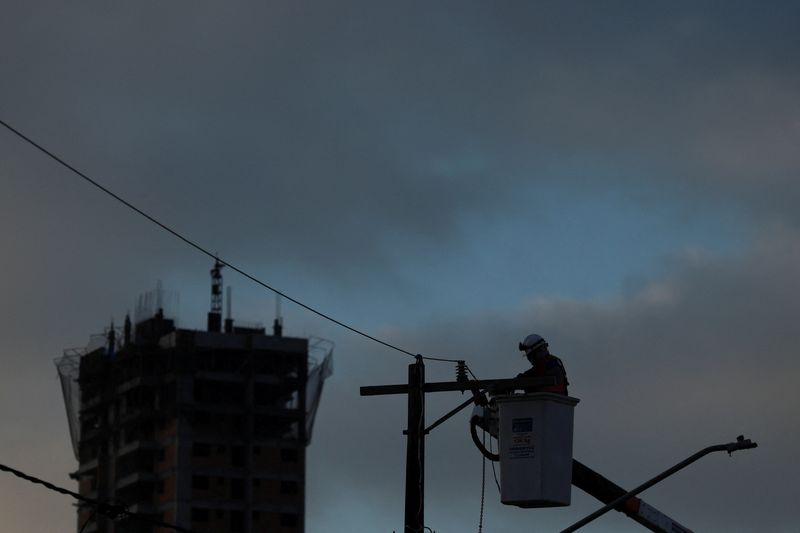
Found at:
<point>535,435</point>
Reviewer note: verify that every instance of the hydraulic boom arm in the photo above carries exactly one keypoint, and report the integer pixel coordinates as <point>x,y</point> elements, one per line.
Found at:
<point>607,491</point>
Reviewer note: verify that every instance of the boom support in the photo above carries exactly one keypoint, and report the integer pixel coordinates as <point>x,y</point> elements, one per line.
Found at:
<point>607,491</point>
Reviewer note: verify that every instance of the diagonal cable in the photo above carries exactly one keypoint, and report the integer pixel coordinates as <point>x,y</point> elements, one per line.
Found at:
<point>112,510</point>
<point>202,249</point>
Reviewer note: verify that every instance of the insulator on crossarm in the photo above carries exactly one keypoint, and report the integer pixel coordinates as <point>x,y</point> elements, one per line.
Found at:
<point>461,372</point>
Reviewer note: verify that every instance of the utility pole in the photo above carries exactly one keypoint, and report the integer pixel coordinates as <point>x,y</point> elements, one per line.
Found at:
<point>415,448</point>
<point>415,443</point>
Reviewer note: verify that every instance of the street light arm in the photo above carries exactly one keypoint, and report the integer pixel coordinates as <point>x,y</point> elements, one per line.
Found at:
<point>475,399</point>
<point>740,444</point>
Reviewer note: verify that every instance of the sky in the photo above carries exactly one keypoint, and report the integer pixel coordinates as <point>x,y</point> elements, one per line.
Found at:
<point>619,177</point>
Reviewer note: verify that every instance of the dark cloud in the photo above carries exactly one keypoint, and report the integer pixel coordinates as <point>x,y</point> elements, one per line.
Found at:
<point>693,358</point>
<point>320,143</point>
<point>360,123</point>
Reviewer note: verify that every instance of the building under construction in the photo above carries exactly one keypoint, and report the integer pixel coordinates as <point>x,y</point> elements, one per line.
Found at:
<point>203,429</point>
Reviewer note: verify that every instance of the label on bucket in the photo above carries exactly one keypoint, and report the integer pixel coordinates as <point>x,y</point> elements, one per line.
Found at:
<point>521,438</point>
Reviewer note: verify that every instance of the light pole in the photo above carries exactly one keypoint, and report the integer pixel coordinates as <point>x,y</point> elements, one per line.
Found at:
<point>740,444</point>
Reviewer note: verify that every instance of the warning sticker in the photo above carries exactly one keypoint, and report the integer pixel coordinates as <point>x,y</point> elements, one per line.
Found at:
<point>521,439</point>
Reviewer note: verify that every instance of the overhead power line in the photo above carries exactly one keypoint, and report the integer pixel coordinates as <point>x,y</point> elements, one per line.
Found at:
<point>205,250</point>
<point>111,510</point>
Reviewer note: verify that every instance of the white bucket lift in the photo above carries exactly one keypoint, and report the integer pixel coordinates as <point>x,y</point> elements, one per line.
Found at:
<point>535,437</point>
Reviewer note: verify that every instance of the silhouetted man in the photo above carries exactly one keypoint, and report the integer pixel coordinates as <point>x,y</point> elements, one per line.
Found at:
<point>544,365</point>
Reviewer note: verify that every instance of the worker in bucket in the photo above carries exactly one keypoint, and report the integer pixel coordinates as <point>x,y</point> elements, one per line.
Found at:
<point>544,364</point>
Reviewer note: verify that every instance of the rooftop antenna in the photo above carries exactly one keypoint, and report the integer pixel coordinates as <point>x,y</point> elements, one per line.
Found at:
<point>228,315</point>
<point>127,330</point>
<point>159,295</point>
<point>112,339</point>
<point>215,315</point>
<point>277,324</point>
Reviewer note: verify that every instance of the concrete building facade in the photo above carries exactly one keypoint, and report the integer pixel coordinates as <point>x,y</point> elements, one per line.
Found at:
<point>203,429</point>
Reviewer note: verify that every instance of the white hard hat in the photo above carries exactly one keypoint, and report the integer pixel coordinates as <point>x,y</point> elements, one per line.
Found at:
<point>532,342</point>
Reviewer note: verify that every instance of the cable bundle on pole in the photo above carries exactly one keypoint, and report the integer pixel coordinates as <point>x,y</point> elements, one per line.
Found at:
<point>483,485</point>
